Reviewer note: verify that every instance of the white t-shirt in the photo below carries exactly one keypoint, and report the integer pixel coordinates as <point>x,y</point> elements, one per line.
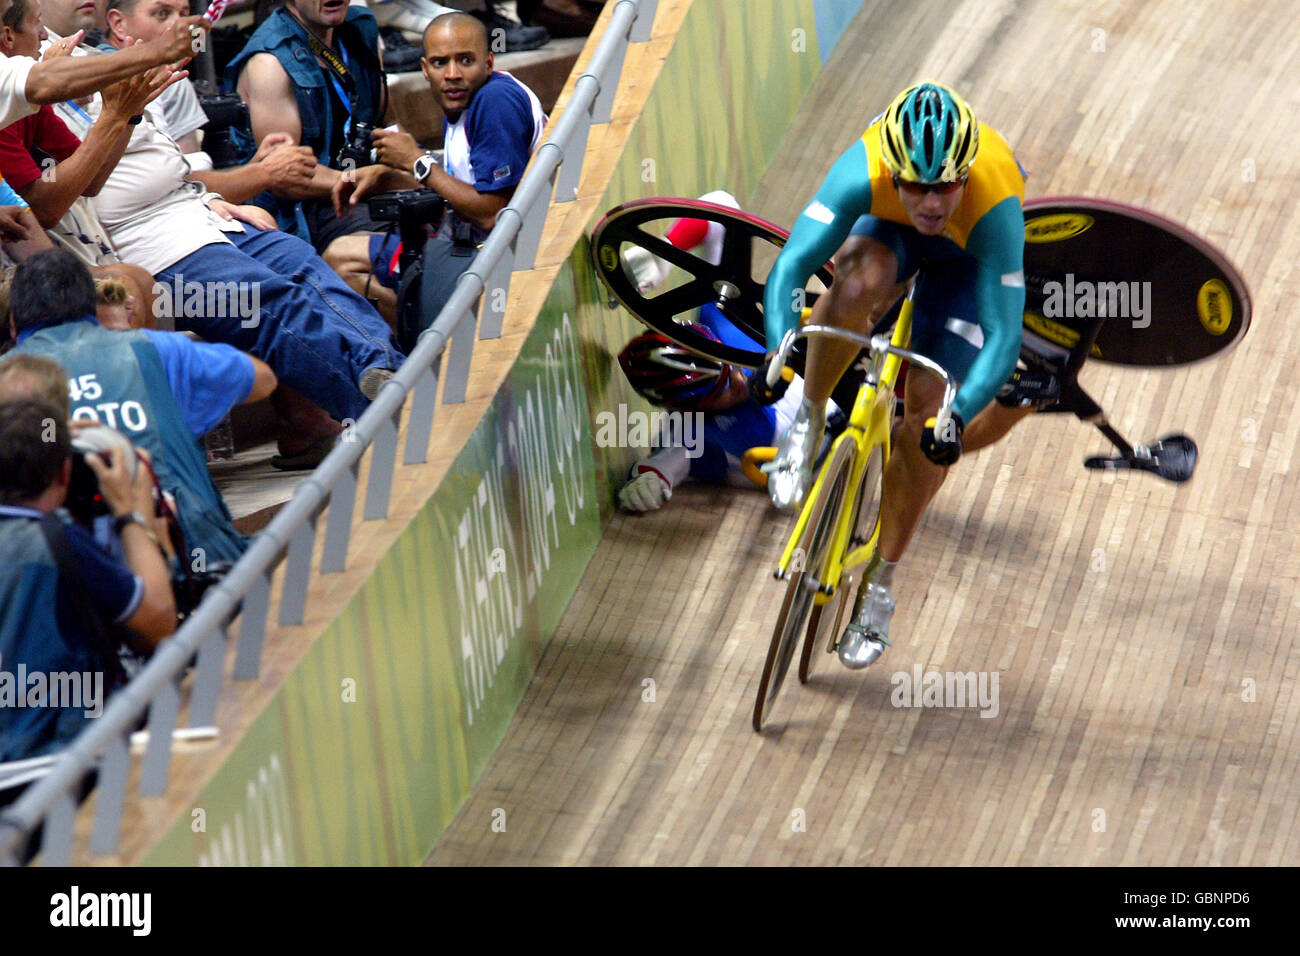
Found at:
<point>181,111</point>
<point>13,89</point>
<point>152,213</point>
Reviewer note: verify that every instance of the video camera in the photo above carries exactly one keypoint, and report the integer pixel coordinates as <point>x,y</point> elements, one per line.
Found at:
<point>414,211</point>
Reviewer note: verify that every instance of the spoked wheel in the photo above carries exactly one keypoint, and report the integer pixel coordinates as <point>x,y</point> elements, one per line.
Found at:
<point>804,582</point>
<point>734,285</point>
<point>828,620</point>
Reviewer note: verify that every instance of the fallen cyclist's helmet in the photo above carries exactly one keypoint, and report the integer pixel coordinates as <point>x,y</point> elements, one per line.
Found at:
<point>929,135</point>
<point>671,375</point>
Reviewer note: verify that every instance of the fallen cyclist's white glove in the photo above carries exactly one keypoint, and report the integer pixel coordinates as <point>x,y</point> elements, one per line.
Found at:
<point>647,491</point>
<point>646,270</point>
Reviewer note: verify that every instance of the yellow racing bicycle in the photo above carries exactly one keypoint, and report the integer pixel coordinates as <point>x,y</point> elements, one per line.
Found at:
<point>837,528</point>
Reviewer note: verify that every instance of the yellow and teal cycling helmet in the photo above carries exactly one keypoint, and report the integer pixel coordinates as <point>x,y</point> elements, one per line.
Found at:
<point>929,135</point>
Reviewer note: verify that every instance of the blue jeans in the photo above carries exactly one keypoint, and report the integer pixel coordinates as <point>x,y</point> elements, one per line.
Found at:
<point>317,335</point>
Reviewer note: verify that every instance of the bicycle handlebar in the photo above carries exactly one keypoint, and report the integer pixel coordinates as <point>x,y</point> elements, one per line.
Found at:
<point>877,344</point>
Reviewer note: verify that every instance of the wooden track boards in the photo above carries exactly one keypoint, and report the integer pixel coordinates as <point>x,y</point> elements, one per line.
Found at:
<point>1142,633</point>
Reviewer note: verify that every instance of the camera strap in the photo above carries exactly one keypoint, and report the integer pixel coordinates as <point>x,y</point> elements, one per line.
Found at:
<point>344,82</point>
<point>87,618</point>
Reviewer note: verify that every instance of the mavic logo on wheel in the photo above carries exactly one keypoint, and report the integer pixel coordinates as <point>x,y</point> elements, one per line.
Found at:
<point>609,258</point>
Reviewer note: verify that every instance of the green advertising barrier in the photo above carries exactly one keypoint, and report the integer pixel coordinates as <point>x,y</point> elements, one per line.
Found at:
<point>373,742</point>
<point>370,747</point>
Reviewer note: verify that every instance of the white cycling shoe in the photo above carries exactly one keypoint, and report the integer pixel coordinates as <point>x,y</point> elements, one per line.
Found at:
<point>789,474</point>
<point>867,635</point>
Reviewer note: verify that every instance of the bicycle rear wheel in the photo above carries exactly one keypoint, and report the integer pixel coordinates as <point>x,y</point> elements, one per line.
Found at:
<point>804,581</point>
<point>827,621</point>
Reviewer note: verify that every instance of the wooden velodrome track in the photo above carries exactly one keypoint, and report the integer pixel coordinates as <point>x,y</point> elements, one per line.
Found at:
<point>1142,633</point>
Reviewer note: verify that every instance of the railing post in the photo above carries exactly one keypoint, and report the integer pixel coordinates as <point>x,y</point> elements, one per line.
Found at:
<point>494,297</point>
<point>206,689</point>
<point>163,711</point>
<point>252,628</point>
<point>56,843</point>
<point>338,521</point>
<point>383,455</point>
<point>297,571</point>
<point>566,188</point>
<point>419,420</point>
<point>110,796</point>
<point>530,230</point>
<point>458,356</point>
<point>643,26</point>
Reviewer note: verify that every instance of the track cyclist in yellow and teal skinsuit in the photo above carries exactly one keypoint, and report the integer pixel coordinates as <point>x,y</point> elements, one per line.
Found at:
<point>926,185</point>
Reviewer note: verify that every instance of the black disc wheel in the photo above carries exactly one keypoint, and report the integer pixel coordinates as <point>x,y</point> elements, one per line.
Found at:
<point>734,284</point>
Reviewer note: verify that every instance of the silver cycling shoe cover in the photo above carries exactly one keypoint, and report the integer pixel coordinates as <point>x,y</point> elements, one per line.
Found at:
<point>866,638</point>
<point>790,473</point>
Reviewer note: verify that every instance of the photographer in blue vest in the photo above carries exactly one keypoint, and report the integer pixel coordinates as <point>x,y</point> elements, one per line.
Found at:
<point>60,593</point>
<point>311,71</point>
<point>161,389</point>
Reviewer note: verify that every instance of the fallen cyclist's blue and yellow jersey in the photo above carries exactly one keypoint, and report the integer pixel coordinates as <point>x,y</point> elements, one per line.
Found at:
<point>987,227</point>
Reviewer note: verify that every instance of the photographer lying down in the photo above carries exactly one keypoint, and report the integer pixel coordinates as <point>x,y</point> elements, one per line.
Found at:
<point>492,124</point>
<point>62,598</point>
<point>161,389</point>
<point>278,165</point>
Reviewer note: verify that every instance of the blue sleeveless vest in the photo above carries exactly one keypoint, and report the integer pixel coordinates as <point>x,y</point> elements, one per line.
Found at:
<point>118,378</point>
<point>284,37</point>
<point>30,636</point>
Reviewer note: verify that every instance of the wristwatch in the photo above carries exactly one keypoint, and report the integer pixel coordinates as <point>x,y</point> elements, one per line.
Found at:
<point>134,517</point>
<point>423,166</point>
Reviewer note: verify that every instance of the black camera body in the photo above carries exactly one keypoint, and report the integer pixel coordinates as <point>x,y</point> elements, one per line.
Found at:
<point>225,112</point>
<point>414,210</point>
<point>359,149</point>
<point>188,587</point>
<point>84,502</point>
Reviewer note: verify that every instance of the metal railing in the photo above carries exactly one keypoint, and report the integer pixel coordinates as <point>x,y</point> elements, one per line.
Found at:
<point>332,488</point>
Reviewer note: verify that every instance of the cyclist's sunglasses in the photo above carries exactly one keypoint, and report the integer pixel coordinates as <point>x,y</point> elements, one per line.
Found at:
<point>920,189</point>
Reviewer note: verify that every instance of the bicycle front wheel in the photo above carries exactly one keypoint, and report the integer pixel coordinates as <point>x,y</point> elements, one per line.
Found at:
<point>828,620</point>
<point>805,578</point>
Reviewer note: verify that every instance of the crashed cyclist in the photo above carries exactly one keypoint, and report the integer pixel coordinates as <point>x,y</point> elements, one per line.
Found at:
<point>925,184</point>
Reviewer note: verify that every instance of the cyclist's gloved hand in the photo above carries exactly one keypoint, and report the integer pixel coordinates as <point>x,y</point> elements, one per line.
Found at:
<point>646,270</point>
<point>943,447</point>
<point>758,388</point>
<point>647,491</point>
